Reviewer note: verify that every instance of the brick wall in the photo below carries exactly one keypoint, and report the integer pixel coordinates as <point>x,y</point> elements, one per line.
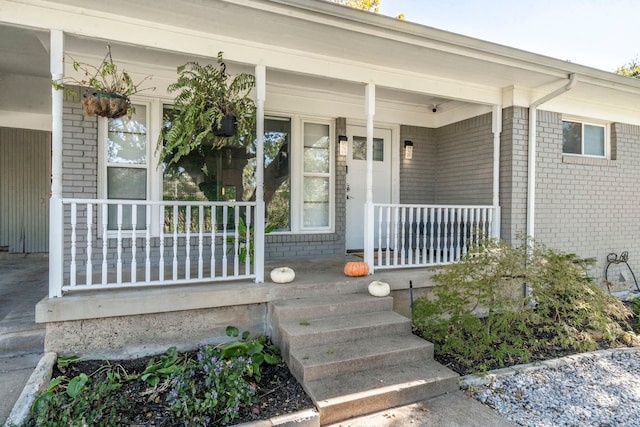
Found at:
<point>513,172</point>
<point>465,162</point>
<point>417,175</point>
<point>585,205</point>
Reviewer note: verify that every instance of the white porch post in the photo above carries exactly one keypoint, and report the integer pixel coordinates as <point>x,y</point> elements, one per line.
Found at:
<point>261,91</point>
<point>496,127</point>
<point>56,226</point>
<point>370,101</point>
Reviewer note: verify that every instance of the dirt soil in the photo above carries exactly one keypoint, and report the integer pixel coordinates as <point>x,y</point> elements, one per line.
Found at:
<point>277,393</point>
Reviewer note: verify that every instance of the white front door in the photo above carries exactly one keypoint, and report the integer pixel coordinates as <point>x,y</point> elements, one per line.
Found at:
<point>356,179</point>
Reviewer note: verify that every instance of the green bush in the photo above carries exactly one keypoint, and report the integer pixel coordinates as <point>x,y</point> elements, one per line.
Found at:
<point>81,401</point>
<point>500,304</point>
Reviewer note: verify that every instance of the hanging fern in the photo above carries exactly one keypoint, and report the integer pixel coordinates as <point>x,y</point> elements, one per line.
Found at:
<point>205,94</point>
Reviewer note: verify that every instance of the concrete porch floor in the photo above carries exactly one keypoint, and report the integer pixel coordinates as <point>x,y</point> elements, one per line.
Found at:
<point>314,277</point>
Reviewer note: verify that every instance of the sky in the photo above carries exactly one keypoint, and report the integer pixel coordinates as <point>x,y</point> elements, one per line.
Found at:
<point>603,34</point>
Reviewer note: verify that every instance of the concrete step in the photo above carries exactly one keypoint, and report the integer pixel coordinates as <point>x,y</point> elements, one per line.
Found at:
<point>341,397</point>
<point>333,305</point>
<point>334,359</point>
<point>315,332</point>
<point>322,307</point>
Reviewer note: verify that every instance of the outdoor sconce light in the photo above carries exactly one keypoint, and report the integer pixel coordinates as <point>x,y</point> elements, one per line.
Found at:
<point>342,145</point>
<point>408,150</point>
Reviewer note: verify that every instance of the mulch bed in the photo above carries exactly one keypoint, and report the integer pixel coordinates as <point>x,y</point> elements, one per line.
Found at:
<point>277,393</point>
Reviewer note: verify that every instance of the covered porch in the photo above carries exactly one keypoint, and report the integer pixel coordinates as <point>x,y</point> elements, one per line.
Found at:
<point>100,243</point>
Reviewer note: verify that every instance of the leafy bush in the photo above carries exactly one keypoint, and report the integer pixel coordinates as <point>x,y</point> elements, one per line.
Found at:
<point>210,389</point>
<point>636,310</point>
<point>80,401</point>
<point>499,304</point>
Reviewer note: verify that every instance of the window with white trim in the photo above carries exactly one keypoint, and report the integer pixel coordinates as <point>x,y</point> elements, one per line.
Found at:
<point>228,173</point>
<point>581,138</point>
<point>316,193</point>
<point>298,197</point>
<point>126,161</point>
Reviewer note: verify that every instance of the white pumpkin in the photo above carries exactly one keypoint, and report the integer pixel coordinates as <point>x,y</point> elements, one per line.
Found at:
<point>282,275</point>
<point>379,289</point>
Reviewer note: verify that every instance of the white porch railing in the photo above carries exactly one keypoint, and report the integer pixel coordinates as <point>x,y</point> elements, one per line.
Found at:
<point>129,243</point>
<point>426,235</point>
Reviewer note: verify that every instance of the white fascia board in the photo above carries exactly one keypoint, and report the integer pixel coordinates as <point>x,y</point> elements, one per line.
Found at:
<point>623,109</point>
<point>593,110</point>
<point>89,23</point>
<point>432,38</point>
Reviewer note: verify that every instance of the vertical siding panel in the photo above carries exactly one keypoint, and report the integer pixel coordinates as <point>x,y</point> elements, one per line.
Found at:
<point>4,188</point>
<point>25,172</point>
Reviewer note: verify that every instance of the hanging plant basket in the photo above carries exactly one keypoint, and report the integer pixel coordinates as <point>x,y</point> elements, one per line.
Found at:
<point>107,88</point>
<point>227,127</point>
<point>104,104</point>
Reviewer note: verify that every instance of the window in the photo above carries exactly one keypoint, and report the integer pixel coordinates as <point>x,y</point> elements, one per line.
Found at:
<point>583,138</point>
<point>298,195</point>
<point>126,167</point>
<point>316,176</point>
<point>228,173</point>
<point>360,149</point>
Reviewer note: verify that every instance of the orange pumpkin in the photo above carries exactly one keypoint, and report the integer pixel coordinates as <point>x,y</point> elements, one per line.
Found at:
<point>355,269</point>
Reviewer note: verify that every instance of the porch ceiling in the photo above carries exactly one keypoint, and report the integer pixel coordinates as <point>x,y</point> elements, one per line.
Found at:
<point>305,43</point>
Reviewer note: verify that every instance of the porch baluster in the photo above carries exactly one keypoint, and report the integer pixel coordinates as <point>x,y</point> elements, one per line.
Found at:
<point>134,240</point>
<point>105,222</point>
<point>403,223</point>
<point>454,234</point>
<point>410,236</point>
<point>388,240</point>
<point>479,226</point>
<point>465,218</point>
<point>74,213</point>
<point>396,220</point>
<point>236,246</point>
<point>147,237</point>
<point>417,236</point>
<point>187,244</point>
<point>458,235</point>
<point>423,229</point>
<point>378,256</point>
<point>438,231</point>
<point>224,239</point>
<point>119,245</point>
<point>214,223</point>
<point>162,225</point>
<point>485,229</point>
<point>489,222</point>
<point>89,266</point>
<point>174,218</point>
<point>431,237</point>
<point>200,238</point>
<point>247,260</point>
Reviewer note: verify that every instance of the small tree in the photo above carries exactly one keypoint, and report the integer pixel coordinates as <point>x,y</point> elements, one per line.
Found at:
<point>630,69</point>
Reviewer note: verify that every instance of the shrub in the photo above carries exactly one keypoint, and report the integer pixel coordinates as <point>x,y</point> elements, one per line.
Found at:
<point>499,304</point>
<point>81,401</point>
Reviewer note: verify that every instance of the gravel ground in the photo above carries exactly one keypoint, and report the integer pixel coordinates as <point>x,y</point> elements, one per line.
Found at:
<point>597,390</point>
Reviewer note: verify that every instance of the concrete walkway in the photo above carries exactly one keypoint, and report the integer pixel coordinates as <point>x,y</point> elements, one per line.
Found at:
<point>23,282</point>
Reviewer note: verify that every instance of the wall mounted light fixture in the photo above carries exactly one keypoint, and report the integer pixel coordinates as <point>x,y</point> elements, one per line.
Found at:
<point>342,145</point>
<point>408,150</point>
